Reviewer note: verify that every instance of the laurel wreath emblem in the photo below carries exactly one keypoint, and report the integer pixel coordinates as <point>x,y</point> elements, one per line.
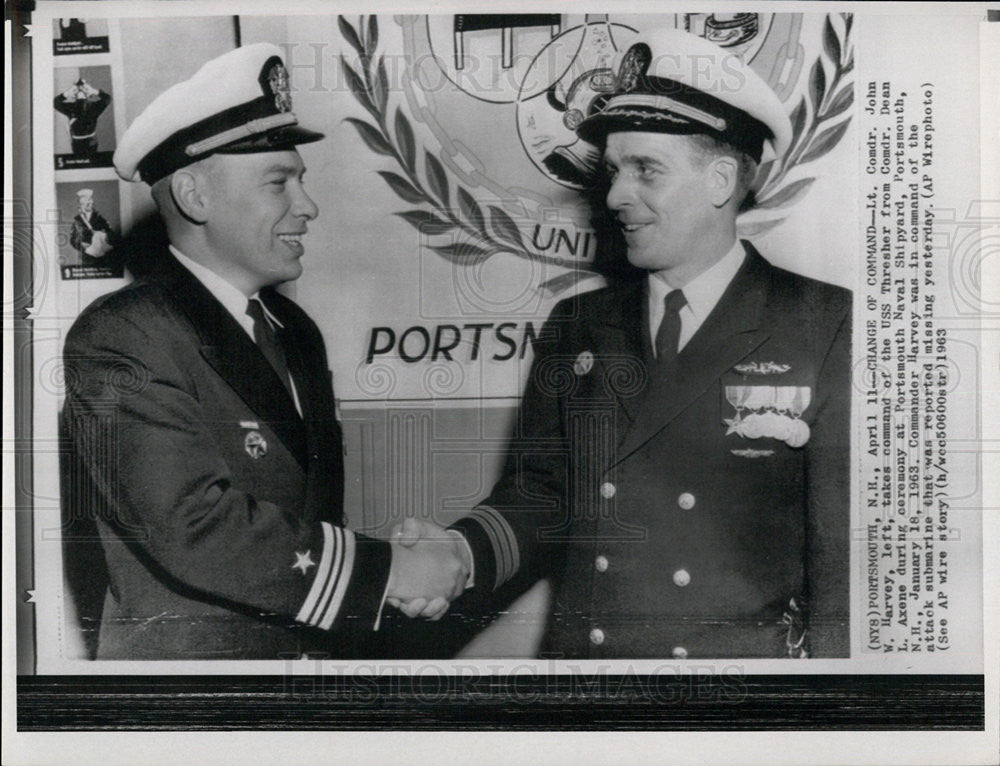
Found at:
<point>815,126</point>
<point>476,234</point>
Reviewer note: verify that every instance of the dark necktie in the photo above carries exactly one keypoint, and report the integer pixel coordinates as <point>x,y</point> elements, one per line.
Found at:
<point>267,341</point>
<point>668,336</point>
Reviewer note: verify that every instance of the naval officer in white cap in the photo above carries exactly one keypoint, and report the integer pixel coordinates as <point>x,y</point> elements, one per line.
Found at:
<point>199,416</point>
<point>680,461</point>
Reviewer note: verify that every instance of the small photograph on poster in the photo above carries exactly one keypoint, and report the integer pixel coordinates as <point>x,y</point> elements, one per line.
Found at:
<point>84,116</point>
<point>89,230</point>
<point>75,36</point>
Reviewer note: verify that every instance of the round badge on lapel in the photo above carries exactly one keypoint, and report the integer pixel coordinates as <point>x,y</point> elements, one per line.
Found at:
<point>584,362</point>
<point>255,445</point>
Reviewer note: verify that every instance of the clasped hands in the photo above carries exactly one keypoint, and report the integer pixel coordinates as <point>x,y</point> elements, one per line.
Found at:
<point>430,568</point>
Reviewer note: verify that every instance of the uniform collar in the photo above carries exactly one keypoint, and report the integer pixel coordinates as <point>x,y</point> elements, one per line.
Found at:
<point>702,292</point>
<point>231,298</point>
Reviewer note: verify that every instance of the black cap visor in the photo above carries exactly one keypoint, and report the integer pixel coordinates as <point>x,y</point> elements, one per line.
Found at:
<point>747,135</point>
<point>595,129</point>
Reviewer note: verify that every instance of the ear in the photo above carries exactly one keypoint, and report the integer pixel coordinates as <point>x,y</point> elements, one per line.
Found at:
<point>188,193</point>
<point>723,178</point>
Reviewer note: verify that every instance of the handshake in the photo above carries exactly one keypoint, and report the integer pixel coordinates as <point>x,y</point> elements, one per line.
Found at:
<point>430,568</point>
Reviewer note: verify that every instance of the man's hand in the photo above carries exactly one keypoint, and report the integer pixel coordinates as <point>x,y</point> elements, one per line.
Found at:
<point>429,569</point>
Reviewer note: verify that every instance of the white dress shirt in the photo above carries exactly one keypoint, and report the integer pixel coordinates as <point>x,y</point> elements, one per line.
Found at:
<point>702,294</point>
<point>234,301</point>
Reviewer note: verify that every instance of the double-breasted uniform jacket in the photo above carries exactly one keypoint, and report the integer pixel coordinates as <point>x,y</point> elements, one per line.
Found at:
<point>668,529</point>
<point>219,507</point>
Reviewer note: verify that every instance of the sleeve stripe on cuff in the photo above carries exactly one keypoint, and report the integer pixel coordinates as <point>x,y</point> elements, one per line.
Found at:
<point>322,576</point>
<point>503,541</point>
<point>343,578</point>
<point>332,577</point>
<point>331,581</point>
<point>336,557</point>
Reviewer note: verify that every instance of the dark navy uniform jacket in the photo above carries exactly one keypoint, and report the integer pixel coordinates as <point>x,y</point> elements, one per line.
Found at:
<point>667,532</point>
<point>219,507</point>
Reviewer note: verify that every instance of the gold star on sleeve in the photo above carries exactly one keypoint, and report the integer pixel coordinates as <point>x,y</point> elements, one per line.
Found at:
<point>303,561</point>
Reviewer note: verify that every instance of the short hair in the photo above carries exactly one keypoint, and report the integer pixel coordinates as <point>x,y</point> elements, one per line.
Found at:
<point>160,191</point>
<point>710,147</point>
<point>163,194</point>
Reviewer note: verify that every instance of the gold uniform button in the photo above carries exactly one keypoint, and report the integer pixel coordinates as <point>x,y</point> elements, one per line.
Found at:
<point>680,653</point>
<point>608,490</point>
<point>601,564</point>
<point>597,636</point>
<point>681,578</point>
<point>686,501</point>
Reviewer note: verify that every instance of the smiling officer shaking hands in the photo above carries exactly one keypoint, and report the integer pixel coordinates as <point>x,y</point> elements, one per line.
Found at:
<point>199,415</point>
<point>679,466</point>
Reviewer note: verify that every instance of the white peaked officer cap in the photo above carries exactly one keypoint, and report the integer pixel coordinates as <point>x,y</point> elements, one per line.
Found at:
<point>85,194</point>
<point>670,81</point>
<point>238,103</point>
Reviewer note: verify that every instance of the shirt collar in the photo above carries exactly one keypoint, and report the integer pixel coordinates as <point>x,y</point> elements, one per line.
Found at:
<point>704,291</point>
<point>232,298</point>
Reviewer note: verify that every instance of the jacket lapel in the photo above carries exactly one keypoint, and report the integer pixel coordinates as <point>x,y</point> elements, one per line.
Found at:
<point>731,332</point>
<point>619,346</point>
<point>324,486</point>
<point>235,357</point>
